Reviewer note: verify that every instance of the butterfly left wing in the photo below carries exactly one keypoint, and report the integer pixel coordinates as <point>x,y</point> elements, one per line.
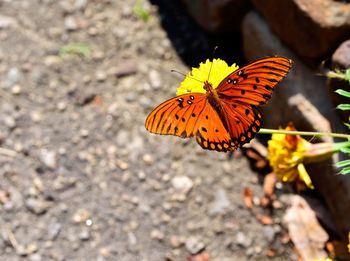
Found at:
<point>190,115</point>
<point>177,116</point>
<point>253,84</point>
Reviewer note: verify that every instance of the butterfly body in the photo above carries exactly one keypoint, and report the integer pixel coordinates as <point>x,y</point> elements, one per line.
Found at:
<point>226,117</point>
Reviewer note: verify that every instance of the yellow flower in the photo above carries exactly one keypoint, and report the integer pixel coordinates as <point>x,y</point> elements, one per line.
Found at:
<point>288,153</point>
<point>195,79</point>
<point>349,242</point>
<point>286,158</point>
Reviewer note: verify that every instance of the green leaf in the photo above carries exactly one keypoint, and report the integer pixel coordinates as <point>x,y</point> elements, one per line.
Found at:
<point>345,171</point>
<point>345,150</point>
<point>76,49</point>
<point>347,75</point>
<point>342,164</point>
<point>347,125</point>
<point>140,11</point>
<point>343,107</point>
<point>343,93</point>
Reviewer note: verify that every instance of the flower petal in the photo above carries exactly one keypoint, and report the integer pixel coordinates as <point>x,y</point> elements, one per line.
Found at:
<point>194,80</point>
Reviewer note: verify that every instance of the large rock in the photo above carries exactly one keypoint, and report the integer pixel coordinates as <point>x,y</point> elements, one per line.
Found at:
<point>218,16</point>
<point>302,98</point>
<point>312,28</point>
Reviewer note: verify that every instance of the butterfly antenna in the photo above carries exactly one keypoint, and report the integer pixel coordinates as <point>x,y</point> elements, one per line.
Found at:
<point>211,65</point>
<point>186,75</point>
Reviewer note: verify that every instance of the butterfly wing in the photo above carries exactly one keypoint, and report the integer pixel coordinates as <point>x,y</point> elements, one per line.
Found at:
<point>177,116</point>
<point>254,83</point>
<point>190,115</point>
<point>244,89</point>
<point>243,121</point>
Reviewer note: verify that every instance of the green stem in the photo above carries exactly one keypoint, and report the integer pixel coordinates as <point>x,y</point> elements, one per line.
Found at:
<point>305,133</point>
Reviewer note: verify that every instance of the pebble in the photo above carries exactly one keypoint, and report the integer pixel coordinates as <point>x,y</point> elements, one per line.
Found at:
<point>101,76</point>
<point>16,89</point>
<point>145,102</point>
<point>70,23</point>
<point>226,166</point>
<point>155,79</point>
<point>128,67</point>
<point>177,241</point>
<point>269,233</point>
<point>242,240</point>
<point>35,257</point>
<point>194,245</point>
<point>157,234</point>
<point>49,158</point>
<point>141,175</point>
<point>84,235</point>
<point>13,76</point>
<point>62,106</point>
<point>5,22</point>
<point>132,240</point>
<point>122,165</point>
<point>182,184</point>
<point>122,138</point>
<point>52,60</point>
<point>36,116</point>
<point>80,216</point>
<point>9,122</point>
<point>131,97</point>
<point>148,159</point>
<point>80,4</point>
<point>84,133</point>
<point>99,55</point>
<point>54,230</point>
<point>220,204</point>
<point>37,206</point>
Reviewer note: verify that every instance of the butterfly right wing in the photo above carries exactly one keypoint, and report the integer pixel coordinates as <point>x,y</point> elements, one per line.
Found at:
<point>190,115</point>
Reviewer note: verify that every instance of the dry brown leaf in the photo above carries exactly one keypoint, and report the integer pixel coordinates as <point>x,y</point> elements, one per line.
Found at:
<point>285,239</point>
<point>270,252</point>
<point>264,219</point>
<point>269,184</point>
<point>203,256</point>
<point>248,198</point>
<point>257,156</point>
<point>265,201</point>
<point>337,248</point>
<point>98,101</point>
<point>4,196</point>
<point>306,233</point>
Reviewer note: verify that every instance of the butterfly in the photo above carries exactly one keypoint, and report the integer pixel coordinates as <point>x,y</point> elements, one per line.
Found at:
<point>226,117</point>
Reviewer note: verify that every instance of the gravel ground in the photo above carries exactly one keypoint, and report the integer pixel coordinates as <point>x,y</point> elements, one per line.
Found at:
<point>80,178</point>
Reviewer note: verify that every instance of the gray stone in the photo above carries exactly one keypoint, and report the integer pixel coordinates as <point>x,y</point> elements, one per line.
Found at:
<point>54,230</point>
<point>49,158</point>
<point>194,245</point>
<point>13,76</point>
<point>37,206</point>
<point>220,204</point>
<point>70,23</point>
<point>242,240</point>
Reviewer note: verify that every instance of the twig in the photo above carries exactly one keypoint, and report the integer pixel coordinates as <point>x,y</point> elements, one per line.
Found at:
<point>8,152</point>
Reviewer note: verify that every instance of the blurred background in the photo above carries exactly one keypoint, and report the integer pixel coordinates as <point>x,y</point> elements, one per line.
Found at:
<point>81,178</point>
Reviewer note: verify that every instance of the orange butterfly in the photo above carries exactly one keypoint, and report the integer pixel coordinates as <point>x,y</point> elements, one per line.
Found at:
<point>226,117</point>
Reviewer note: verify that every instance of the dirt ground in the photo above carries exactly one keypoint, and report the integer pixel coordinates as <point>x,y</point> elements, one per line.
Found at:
<point>80,177</point>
